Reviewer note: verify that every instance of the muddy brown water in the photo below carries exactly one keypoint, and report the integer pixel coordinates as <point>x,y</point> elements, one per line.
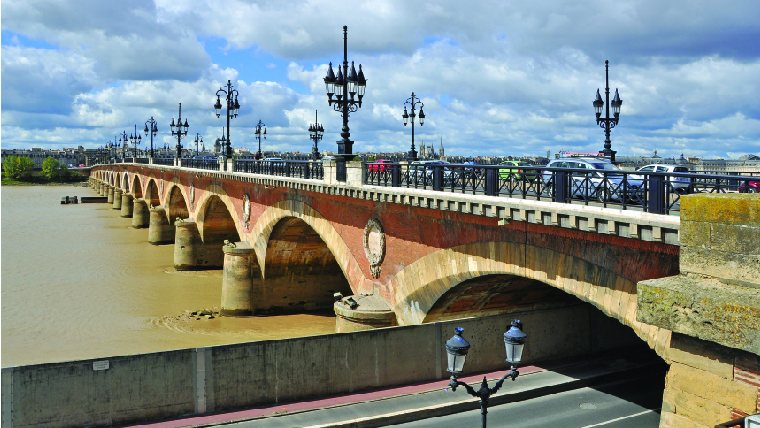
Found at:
<point>79,282</point>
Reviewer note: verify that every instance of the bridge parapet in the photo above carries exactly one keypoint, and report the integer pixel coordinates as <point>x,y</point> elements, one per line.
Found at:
<point>596,219</point>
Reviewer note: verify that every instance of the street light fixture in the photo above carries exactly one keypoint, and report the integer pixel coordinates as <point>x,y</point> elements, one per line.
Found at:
<point>152,130</point>
<point>316,131</point>
<point>135,140</point>
<point>457,348</point>
<point>411,101</point>
<point>232,111</point>
<point>607,122</point>
<point>258,133</point>
<point>180,132</point>
<point>198,139</point>
<point>124,140</point>
<point>345,89</point>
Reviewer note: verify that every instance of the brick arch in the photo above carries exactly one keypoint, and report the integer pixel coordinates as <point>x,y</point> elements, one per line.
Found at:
<point>125,181</point>
<point>152,192</point>
<point>137,190</point>
<point>262,230</point>
<point>417,287</point>
<point>177,202</point>
<point>202,204</point>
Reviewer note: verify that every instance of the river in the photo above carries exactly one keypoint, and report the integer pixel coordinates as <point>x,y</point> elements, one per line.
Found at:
<point>79,282</point>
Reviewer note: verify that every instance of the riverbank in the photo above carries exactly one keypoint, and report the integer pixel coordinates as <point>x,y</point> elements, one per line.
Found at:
<point>6,182</point>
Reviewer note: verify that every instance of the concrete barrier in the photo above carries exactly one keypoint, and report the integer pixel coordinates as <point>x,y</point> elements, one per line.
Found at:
<point>129,389</point>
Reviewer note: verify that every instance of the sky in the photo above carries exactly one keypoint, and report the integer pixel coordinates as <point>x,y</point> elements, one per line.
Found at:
<point>497,77</point>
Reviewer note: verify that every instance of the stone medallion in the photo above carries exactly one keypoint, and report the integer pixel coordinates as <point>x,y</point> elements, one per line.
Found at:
<point>374,245</point>
<point>247,211</point>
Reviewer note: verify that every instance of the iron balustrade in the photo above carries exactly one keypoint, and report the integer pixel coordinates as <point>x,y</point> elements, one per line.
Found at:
<point>283,168</point>
<point>209,164</point>
<point>142,160</point>
<point>163,161</point>
<point>654,192</point>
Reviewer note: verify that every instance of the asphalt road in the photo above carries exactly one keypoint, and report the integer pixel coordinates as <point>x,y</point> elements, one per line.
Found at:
<point>626,404</point>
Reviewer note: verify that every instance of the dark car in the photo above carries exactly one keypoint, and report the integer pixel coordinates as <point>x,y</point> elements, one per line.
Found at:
<point>750,186</point>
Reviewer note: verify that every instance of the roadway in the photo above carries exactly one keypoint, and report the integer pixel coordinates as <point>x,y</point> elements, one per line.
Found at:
<point>624,404</point>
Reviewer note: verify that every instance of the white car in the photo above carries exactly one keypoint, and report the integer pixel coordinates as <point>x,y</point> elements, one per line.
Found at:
<point>679,184</point>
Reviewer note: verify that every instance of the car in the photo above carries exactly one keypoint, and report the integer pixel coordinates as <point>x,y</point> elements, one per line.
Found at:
<point>329,158</point>
<point>679,185</point>
<point>599,180</point>
<point>421,172</point>
<point>380,165</point>
<point>750,186</point>
<point>515,173</point>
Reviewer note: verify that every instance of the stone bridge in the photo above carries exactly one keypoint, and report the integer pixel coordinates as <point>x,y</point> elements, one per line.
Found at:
<point>409,256</point>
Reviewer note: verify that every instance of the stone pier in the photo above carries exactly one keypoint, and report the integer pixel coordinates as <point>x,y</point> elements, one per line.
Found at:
<point>140,214</point>
<point>187,245</point>
<point>117,199</point>
<point>240,271</point>
<point>127,205</point>
<point>362,312</point>
<point>110,193</point>
<point>160,231</point>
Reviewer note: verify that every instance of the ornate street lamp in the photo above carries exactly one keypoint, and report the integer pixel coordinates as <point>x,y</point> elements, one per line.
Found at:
<point>124,140</point>
<point>345,87</point>
<point>315,134</point>
<point>135,140</point>
<point>457,348</point>
<point>258,133</point>
<point>180,132</point>
<point>232,111</point>
<point>411,101</point>
<point>198,139</point>
<point>152,130</point>
<point>607,123</point>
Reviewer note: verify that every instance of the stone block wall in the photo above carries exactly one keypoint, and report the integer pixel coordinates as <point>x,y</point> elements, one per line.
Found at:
<point>720,236</point>
<point>713,310</point>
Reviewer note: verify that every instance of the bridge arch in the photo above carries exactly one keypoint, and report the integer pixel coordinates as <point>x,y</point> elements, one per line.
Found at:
<point>152,194</point>
<point>176,206</point>
<point>125,181</point>
<point>301,273</point>
<point>217,221</point>
<point>418,287</point>
<point>137,190</point>
<point>264,227</point>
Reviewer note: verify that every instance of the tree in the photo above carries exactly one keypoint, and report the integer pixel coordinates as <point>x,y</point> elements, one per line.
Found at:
<point>18,167</point>
<point>54,170</point>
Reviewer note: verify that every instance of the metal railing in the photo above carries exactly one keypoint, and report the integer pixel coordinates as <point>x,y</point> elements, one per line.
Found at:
<point>208,164</point>
<point>654,192</point>
<point>163,161</point>
<point>283,168</point>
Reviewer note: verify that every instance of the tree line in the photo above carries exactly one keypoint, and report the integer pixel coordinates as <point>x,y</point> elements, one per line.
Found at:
<point>20,168</point>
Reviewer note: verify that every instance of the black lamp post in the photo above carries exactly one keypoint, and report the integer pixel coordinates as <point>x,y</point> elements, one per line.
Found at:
<point>411,101</point>
<point>344,89</point>
<point>232,111</point>
<point>124,140</point>
<point>457,348</point>
<point>258,133</point>
<point>607,123</point>
<point>315,134</point>
<point>198,139</point>
<point>180,132</point>
<point>135,140</point>
<point>152,130</point>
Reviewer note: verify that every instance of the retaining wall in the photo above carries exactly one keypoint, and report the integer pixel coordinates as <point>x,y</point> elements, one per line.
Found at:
<point>194,381</point>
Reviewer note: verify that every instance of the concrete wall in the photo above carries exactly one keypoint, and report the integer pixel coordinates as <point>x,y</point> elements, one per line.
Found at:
<point>166,384</point>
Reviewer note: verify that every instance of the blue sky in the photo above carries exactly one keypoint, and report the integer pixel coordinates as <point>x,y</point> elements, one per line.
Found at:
<point>497,78</point>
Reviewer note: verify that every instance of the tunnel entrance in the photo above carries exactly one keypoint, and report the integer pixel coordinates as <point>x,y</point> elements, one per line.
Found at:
<point>571,327</point>
<point>301,273</point>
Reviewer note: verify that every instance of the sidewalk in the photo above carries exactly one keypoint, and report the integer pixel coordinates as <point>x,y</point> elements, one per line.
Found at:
<point>431,399</point>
